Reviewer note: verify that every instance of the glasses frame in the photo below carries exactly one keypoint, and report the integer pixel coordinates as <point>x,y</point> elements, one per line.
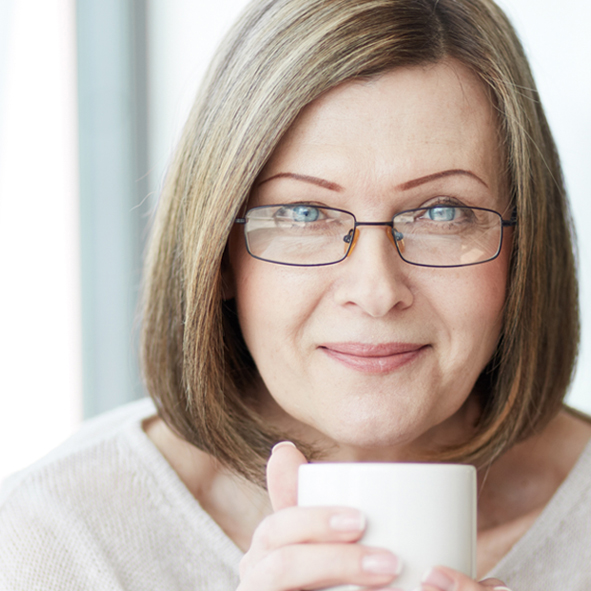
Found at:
<point>504,224</point>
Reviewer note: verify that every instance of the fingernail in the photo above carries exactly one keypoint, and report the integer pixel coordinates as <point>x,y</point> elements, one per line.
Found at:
<point>440,580</point>
<point>352,520</point>
<point>383,563</point>
<point>282,444</point>
<point>501,588</point>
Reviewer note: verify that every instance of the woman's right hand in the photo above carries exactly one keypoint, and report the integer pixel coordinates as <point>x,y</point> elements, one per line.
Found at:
<point>301,548</point>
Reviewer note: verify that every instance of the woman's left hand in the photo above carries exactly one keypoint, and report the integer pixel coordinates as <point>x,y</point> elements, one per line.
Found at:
<point>282,479</point>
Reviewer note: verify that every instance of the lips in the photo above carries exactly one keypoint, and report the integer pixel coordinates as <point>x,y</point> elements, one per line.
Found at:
<point>373,358</point>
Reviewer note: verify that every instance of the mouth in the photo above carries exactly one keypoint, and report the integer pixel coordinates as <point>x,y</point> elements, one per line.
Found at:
<point>373,358</point>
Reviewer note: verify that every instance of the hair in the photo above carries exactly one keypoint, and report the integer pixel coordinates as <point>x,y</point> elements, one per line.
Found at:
<point>281,55</point>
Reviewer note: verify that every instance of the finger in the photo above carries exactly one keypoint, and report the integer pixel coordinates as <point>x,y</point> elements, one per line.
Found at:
<point>303,525</point>
<point>441,578</point>
<point>282,475</point>
<point>321,565</point>
<point>494,585</point>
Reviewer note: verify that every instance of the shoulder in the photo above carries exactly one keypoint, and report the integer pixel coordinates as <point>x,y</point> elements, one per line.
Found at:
<point>105,511</point>
<point>555,553</point>
<point>54,508</point>
<point>101,444</point>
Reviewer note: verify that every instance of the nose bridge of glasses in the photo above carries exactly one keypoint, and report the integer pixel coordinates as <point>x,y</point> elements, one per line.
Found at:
<point>394,237</point>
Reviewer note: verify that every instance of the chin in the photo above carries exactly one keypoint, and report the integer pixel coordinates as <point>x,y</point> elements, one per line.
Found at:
<point>374,435</point>
<point>388,435</point>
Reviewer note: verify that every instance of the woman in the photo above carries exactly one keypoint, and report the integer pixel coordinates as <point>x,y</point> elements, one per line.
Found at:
<point>361,248</point>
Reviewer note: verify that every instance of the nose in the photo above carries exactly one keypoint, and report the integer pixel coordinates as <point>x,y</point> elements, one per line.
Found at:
<point>374,277</point>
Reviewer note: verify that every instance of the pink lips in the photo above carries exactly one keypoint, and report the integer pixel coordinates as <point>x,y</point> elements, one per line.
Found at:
<point>382,358</point>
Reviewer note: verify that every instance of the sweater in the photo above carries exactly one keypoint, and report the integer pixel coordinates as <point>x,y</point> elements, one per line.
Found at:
<point>105,511</point>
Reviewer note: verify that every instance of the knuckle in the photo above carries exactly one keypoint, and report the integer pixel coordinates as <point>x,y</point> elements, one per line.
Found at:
<point>277,564</point>
<point>264,535</point>
<point>244,565</point>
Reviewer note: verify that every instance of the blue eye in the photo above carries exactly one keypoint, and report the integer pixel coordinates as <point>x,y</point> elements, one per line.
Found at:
<point>442,214</point>
<point>303,213</point>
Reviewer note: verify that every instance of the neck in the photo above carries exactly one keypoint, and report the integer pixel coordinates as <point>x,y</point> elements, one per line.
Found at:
<point>236,505</point>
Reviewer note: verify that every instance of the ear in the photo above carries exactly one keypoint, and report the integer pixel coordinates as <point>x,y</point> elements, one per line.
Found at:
<point>228,282</point>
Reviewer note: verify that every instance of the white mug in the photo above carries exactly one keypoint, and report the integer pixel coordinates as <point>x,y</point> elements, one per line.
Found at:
<point>423,513</point>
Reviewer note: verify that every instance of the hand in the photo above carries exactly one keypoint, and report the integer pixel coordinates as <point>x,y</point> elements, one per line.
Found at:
<point>441,578</point>
<point>301,548</point>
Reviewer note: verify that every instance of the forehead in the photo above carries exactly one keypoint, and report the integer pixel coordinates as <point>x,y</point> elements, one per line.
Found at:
<point>403,124</point>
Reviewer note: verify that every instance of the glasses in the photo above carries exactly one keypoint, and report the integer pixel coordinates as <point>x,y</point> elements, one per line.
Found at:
<point>441,235</point>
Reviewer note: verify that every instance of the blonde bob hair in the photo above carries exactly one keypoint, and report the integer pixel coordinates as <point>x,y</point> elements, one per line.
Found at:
<point>280,56</point>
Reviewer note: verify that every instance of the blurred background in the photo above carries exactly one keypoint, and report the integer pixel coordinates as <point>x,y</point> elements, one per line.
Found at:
<point>92,98</point>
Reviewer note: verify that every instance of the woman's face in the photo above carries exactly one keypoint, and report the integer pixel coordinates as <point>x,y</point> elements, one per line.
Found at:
<point>374,353</point>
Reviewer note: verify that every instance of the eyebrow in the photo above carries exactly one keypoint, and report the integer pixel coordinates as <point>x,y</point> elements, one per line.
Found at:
<point>436,176</point>
<point>403,187</point>
<point>306,179</point>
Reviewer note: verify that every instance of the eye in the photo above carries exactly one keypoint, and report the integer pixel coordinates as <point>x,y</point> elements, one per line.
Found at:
<point>299,213</point>
<point>442,214</point>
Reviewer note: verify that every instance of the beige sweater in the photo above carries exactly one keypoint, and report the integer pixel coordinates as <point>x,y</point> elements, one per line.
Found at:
<point>105,511</point>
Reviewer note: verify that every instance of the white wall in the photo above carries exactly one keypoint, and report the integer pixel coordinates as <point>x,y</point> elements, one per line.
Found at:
<point>182,37</point>
<point>40,361</point>
<point>184,33</point>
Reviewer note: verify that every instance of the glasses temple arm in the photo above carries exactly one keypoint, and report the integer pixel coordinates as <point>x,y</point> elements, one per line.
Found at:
<point>512,221</point>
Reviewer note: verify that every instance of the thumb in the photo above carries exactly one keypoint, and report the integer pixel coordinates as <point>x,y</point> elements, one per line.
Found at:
<point>282,475</point>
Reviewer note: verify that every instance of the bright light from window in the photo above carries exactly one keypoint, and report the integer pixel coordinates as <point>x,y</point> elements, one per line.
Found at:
<point>40,359</point>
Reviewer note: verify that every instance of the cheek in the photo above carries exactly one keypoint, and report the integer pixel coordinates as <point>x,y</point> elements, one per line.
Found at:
<point>273,303</point>
<point>471,306</point>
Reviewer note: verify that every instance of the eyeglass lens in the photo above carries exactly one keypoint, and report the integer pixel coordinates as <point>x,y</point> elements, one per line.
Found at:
<point>438,236</point>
